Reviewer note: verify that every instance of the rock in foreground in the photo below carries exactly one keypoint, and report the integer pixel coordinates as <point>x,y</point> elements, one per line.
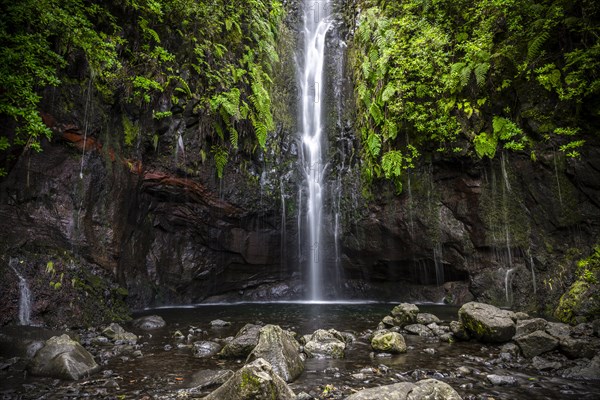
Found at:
<point>487,323</point>
<point>281,350</point>
<point>429,389</point>
<point>256,381</point>
<point>63,358</point>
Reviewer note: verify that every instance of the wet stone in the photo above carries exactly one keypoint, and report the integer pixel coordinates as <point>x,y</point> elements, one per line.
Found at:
<point>149,322</point>
<point>502,380</point>
<point>419,329</point>
<point>219,323</point>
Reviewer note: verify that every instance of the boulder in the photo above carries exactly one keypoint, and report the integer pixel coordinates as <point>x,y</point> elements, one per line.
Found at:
<point>388,320</point>
<point>208,377</point>
<point>558,330</point>
<point>63,358</point>
<point>149,322</point>
<point>426,319</point>
<point>586,370</point>
<point>256,381</point>
<point>527,326</point>
<point>543,364</point>
<point>243,342</point>
<point>389,342</point>
<point>418,329</point>
<point>281,350</point>
<point>405,314</point>
<point>325,344</point>
<point>578,348</point>
<point>115,332</point>
<point>205,348</point>
<point>459,331</point>
<point>428,389</point>
<point>487,323</point>
<point>536,343</point>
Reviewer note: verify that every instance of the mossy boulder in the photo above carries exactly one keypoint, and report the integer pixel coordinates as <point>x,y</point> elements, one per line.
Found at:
<point>580,303</point>
<point>389,342</point>
<point>487,323</point>
<point>424,389</point>
<point>405,314</point>
<point>256,381</point>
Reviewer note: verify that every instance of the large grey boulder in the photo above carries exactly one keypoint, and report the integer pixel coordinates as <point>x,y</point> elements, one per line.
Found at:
<point>63,358</point>
<point>558,329</point>
<point>579,348</point>
<point>256,381</point>
<point>428,389</point>
<point>405,314</point>
<point>243,343</point>
<point>389,342</point>
<point>281,350</point>
<point>325,344</point>
<point>149,322</point>
<point>536,343</point>
<point>487,323</point>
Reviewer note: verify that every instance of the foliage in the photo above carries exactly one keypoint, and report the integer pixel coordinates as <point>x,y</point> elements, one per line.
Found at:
<point>154,54</point>
<point>461,76</point>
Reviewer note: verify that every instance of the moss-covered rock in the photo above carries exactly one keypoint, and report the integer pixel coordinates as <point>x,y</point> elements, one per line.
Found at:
<point>487,323</point>
<point>390,342</point>
<point>581,302</point>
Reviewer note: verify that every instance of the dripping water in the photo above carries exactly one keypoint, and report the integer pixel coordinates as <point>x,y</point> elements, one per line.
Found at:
<point>24,295</point>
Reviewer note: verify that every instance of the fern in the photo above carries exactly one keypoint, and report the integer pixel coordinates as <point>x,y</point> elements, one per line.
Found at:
<point>481,72</point>
<point>534,47</point>
<point>374,144</point>
<point>485,145</point>
<point>221,157</point>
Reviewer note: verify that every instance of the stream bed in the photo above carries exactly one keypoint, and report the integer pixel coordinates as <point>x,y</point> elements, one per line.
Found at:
<point>162,366</point>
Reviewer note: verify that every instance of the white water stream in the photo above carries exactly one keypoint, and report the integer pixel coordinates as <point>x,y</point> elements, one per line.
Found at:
<point>24,296</point>
<point>316,25</point>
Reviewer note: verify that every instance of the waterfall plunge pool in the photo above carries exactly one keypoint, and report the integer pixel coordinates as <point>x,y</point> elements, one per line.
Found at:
<point>166,366</point>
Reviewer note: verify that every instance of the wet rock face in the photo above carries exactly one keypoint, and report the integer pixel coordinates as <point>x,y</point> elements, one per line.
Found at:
<point>63,358</point>
<point>244,342</point>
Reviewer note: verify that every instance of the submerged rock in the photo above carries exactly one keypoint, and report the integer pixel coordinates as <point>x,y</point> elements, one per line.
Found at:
<point>243,342</point>
<point>536,343</point>
<point>149,322</point>
<point>405,314</point>
<point>63,358</point>
<point>219,323</point>
<point>256,381</point>
<point>430,389</point>
<point>389,342</point>
<point>325,344</point>
<point>281,350</point>
<point>487,323</point>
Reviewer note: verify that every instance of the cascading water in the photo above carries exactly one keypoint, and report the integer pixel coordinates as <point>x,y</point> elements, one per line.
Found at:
<point>24,296</point>
<point>316,25</point>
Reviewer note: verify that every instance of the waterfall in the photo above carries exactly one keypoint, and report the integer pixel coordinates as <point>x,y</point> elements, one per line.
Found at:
<point>316,25</point>
<point>24,296</point>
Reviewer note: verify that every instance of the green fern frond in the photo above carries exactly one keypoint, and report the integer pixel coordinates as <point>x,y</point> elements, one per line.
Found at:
<point>535,46</point>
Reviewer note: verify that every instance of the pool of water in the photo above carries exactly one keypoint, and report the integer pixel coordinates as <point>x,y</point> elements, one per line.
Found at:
<point>167,364</point>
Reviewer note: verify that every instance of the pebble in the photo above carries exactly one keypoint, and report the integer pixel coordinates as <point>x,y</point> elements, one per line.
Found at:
<point>429,351</point>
